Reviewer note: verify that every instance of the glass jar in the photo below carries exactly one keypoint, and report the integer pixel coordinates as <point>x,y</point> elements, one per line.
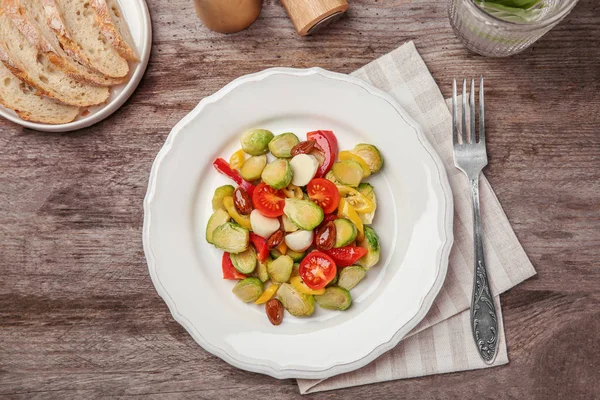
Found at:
<point>496,33</point>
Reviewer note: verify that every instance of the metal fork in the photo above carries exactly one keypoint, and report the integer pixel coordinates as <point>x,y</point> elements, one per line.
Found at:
<point>470,157</point>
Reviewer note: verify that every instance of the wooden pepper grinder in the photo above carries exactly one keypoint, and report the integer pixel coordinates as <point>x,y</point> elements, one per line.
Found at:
<point>310,15</point>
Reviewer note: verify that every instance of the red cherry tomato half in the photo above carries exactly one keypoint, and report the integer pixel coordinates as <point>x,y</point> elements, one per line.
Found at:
<point>268,201</point>
<point>347,256</point>
<point>324,193</point>
<point>229,271</point>
<point>317,270</point>
<point>328,146</point>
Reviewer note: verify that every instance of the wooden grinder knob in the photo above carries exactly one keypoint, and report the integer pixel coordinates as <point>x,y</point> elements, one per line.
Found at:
<point>307,15</point>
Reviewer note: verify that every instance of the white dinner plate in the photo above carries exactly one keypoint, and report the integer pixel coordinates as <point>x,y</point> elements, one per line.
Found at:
<point>413,220</point>
<point>137,16</point>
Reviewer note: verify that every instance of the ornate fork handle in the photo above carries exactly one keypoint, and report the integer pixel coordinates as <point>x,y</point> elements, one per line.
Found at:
<point>484,321</point>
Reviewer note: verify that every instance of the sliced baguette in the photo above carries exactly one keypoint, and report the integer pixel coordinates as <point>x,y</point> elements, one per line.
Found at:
<point>22,98</point>
<point>26,15</point>
<point>74,22</point>
<point>33,67</point>
<point>110,19</point>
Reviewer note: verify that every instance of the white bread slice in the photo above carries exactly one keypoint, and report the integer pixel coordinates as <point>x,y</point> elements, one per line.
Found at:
<point>114,28</point>
<point>74,22</point>
<point>21,97</point>
<point>34,68</point>
<point>27,15</point>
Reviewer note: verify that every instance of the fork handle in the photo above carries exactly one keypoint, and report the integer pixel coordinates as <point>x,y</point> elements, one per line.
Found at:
<point>484,321</point>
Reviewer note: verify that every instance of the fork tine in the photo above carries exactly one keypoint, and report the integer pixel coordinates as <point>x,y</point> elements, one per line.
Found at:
<point>463,136</point>
<point>454,114</point>
<point>472,106</point>
<point>481,114</point>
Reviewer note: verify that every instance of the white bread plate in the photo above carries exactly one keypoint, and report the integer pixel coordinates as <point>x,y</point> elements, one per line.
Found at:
<point>137,16</point>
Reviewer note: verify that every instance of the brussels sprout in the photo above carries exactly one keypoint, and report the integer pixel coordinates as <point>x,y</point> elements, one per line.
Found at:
<point>350,276</point>
<point>231,238</point>
<point>218,218</point>
<point>261,270</point>
<point>245,262</point>
<point>277,174</point>
<point>282,145</point>
<point>248,290</point>
<point>345,232</point>
<point>256,142</point>
<point>297,304</point>
<point>335,298</point>
<point>371,243</point>
<point>296,255</point>
<point>280,269</point>
<point>331,177</point>
<point>253,167</point>
<point>303,213</point>
<point>368,191</point>
<point>348,172</point>
<point>220,193</point>
<point>370,154</point>
<point>348,155</point>
<point>288,225</point>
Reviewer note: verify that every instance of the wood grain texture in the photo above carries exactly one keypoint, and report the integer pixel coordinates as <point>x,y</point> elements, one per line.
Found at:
<point>79,317</point>
<point>305,14</point>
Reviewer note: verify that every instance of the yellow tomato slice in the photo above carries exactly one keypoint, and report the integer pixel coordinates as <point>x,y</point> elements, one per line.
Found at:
<point>237,159</point>
<point>300,286</point>
<point>346,155</point>
<point>361,203</point>
<point>267,294</point>
<point>345,210</point>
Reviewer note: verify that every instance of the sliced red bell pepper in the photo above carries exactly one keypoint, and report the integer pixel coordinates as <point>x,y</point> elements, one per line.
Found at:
<point>346,256</point>
<point>223,167</point>
<point>261,247</point>
<point>327,144</point>
<point>229,271</point>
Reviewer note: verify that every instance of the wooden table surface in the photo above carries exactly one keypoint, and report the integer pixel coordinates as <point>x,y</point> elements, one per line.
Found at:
<point>79,316</point>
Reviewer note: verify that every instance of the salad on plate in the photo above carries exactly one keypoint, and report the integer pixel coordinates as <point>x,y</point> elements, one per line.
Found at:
<point>295,228</point>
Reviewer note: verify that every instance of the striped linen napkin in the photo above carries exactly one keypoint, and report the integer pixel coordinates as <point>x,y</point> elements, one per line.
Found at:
<point>442,342</point>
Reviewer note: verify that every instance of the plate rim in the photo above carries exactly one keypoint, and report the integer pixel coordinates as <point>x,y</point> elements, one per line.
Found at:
<point>379,349</point>
<point>112,106</point>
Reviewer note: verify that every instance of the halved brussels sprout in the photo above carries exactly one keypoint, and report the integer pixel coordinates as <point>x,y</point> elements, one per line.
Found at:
<point>371,243</point>
<point>369,192</point>
<point>335,279</point>
<point>280,269</point>
<point>220,193</point>
<point>245,262</point>
<point>256,141</point>
<point>248,290</point>
<point>335,298</point>
<point>348,172</point>
<point>253,167</point>
<point>218,218</point>
<point>288,225</point>
<point>304,213</point>
<point>345,232</point>
<point>370,154</point>
<point>296,255</point>
<point>231,238</point>
<point>277,174</point>
<point>282,145</point>
<point>348,155</point>
<point>297,304</point>
<point>350,276</point>
<point>331,177</point>
<point>261,270</point>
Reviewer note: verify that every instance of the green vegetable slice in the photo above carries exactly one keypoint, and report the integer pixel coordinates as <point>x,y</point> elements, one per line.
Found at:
<point>282,145</point>
<point>248,290</point>
<point>218,218</point>
<point>303,213</point>
<point>220,193</point>
<point>351,276</point>
<point>231,238</point>
<point>256,142</point>
<point>296,303</point>
<point>345,232</point>
<point>245,262</point>
<point>334,298</point>
<point>277,174</point>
